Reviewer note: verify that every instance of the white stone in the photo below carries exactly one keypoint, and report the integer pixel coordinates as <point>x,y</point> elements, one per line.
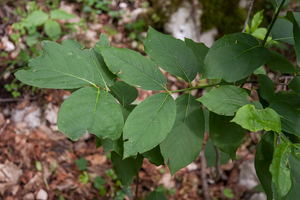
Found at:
<point>42,195</point>
<point>258,196</point>
<point>9,46</point>
<point>123,5</point>
<point>247,176</point>
<point>192,166</point>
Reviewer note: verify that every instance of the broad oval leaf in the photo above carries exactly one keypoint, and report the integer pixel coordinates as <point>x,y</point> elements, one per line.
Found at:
<point>60,14</point>
<point>263,160</point>
<point>156,196</point>
<point>234,57</point>
<point>125,93</point>
<point>296,31</point>
<point>226,135</point>
<point>183,144</point>
<point>126,169</point>
<point>171,54</point>
<point>154,156</point>
<point>283,31</point>
<point>254,120</point>
<point>112,145</point>
<point>295,85</point>
<point>200,51</point>
<point>148,124</point>
<point>92,57</point>
<point>52,29</point>
<point>279,62</point>
<point>266,87</point>
<point>290,117</point>
<point>225,100</point>
<point>133,68</point>
<point>279,168</point>
<point>90,109</point>
<point>289,97</point>
<point>61,67</point>
<point>36,18</point>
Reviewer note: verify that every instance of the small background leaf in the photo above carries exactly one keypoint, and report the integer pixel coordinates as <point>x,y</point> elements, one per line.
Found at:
<point>226,135</point>
<point>60,14</point>
<point>36,18</point>
<point>52,29</point>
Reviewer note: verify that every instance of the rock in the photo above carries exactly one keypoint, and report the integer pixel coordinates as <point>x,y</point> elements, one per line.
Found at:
<point>10,175</point>
<point>51,113</point>
<point>42,195</point>
<point>258,196</point>
<point>28,196</point>
<point>247,176</point>
<point>8,45</point>
<point>167,181</point>
<point>30,114</point>
<point>192,166</point>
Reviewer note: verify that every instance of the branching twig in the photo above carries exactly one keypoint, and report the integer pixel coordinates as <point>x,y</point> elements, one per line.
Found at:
<point>248,16</point>
<point>205,187</point>
<point>137,187</point>
<point>218,171</point>
<point>4,126</point>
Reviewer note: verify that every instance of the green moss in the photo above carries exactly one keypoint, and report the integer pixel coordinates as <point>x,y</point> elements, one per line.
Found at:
<point>226,15</point>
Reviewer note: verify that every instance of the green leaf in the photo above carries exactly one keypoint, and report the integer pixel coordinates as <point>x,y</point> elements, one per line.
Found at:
<point>64,67</point>
<point>183,144</point>
<point>296,31</point>
<point>92,57</point>
<point>154,156</point>
<point>283,31</point>
<point>52,29</point>
<point>173,55</point>
<point>263,160</point>
<point>133,68</point>
<point>289,97</point>
<point>280,63</point>
<point>156,196</point>
<point>281,174</point>
<point>125,93</point>
<point>260,70</point>
<point>225,100</point>
<point>256,21</point>
<point>60,14</point>
<point>294,164</point>
<point>278,2</point>
<point>295,85</point>
<point>36,18</point>
<point>260,33</point>
<point>290,117</point>
<point>112,145</point>
<point>104,41</point>
<point>210,155</point>
<point>266,88</point>
<point>81,163</point>
<point>90,109</point>
<point>126,169</point>
<point>228,193</point>
<point>234,57</point>
<point>254,120</point>
<point>200,51</point>
<point>226,135</point>
<point>99,182</point>
<point>148,124</point>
